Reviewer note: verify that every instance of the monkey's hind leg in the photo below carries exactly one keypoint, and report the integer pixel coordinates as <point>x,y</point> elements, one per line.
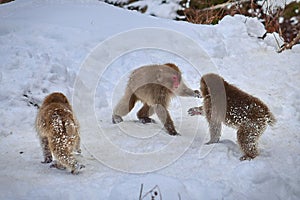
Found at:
<point>76,137</point>
<point>124,106</point>
<point>144,113</point>
<point>46,150</point>
<point>165,118</point>
<point>65,158</point>
<point>77,146</point>
<point>247,139</point>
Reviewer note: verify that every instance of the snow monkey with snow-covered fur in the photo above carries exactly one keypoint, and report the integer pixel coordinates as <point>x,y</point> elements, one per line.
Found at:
<point>226,103</point>
<point>154,86</point>
<point>58,131</point>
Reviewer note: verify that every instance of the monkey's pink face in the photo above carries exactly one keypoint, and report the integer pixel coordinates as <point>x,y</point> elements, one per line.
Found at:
<point>176,82</point>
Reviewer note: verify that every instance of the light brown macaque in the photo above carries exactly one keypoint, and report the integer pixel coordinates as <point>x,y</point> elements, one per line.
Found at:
<point>226,103</point>
<point>58,131</point>
<point>154,86</point>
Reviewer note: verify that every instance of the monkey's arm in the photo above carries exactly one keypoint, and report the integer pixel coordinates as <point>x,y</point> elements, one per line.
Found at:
<point>196,111</point>
<point>185,91</point>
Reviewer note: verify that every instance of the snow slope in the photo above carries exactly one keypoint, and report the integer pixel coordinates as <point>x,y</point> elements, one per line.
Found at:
<point>59,45</point>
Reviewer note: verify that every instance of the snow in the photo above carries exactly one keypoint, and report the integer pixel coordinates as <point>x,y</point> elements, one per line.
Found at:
<point>164,9</point>
<point>86,49</point>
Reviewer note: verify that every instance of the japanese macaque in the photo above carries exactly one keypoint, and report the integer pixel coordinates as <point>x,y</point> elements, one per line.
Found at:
<point>154,86</point>
<point>58,131</point>
<point>226,103</point>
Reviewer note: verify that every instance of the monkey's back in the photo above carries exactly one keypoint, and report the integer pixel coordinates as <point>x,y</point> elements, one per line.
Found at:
<point>152,74</point>
<point>56,120</point>
<point>152,84</point>
<point>243,108</point>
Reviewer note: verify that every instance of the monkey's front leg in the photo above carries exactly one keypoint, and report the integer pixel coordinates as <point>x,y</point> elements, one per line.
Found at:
<point>215,132</point>
<point>77,146</point>
<point>183,90</point>
<point>57,165</point>
<point>187,92</point>
<point>46,150</point>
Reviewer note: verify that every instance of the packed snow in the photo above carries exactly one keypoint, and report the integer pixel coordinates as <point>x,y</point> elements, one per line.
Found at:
<point>86,49</point>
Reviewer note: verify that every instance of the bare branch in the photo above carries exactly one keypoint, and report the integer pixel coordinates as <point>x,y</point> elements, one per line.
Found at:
<point>228,3</point>
<point>291,44</point>
<point>179,197</point>
<point>276,41</point>
<point>141,192</point>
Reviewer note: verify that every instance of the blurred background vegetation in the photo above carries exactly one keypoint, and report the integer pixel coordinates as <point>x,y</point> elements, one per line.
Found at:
<point>284,20</point>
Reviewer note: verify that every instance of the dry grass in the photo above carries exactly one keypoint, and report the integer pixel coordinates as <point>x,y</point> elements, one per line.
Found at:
<point>285,21</point>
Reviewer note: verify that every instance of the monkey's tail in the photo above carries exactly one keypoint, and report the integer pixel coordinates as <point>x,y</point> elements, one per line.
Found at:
<point>271,119</point>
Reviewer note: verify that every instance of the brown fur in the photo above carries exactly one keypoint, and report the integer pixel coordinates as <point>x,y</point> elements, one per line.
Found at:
<point>58,131</point>
<point>173,66</point>
<point>154,86</point>
<point>226,103</point>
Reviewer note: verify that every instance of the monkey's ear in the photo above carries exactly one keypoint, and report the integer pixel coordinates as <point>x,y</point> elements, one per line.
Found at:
<point>197,94</point>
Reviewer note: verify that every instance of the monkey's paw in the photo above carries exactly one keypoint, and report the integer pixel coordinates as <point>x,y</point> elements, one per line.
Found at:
<point>246,157</point>
<point>146,120</point>
<point>48,159</point>
<point>77,151</point>
<point>78,167</point>
<point>197,94</point>
<point>57,165</point>
<point>196,111</point>
<point>116,119</point>
<point>208,143</point>
<point>173,133</point>
<point>212,141</point>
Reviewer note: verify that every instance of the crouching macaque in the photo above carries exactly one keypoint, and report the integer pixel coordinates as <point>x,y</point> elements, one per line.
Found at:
<point>154,86</point>
<point>226,103</point>
<point>58,131</point>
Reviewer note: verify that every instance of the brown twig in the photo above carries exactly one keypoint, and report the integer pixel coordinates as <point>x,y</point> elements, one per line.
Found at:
<point>228,3</point>
<point>291,44</point>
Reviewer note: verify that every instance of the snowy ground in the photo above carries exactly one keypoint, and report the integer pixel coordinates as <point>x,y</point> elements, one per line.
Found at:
<point>56,45</point>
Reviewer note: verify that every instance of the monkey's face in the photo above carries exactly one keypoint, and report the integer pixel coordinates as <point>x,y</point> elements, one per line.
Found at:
<point>168,78</point>
<point>176,81</point>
